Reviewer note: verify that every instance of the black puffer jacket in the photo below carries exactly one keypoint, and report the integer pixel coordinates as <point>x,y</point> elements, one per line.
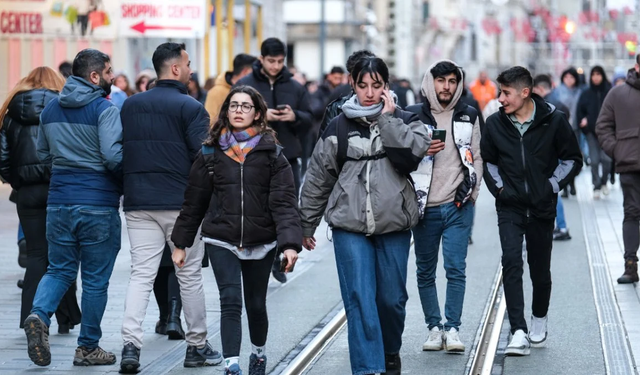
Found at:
<point>256,201</point>
<point>285,90</point>
<point>591,100</point>
<point>526,172</point>
<point>19,162</point>
<point>334,109</point>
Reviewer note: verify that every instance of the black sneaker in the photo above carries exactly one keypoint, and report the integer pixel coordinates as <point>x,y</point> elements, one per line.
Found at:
<point>130,359</point>
<point>275,271</point>
<point>205,356</point>
<point>392,364</point>
<point>161,327</point>
<point>257,365</point>
<point>561,235</point>
<point>37,340</point>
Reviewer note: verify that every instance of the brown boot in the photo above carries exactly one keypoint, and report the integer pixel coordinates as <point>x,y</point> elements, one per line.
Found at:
<point>630,274</point>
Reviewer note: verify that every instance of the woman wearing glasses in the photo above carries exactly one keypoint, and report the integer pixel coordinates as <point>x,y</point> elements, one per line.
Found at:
<point>253,218</point>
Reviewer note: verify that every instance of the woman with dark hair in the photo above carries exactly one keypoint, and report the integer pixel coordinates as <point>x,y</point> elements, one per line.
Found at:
<point>359,174</point>
<point>252,219</point>
<point>29,176</point>
<point>195,90</point>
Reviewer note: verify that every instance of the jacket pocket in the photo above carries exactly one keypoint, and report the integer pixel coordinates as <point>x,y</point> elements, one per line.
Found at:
<point>627,151</point>
<point>334,198</point>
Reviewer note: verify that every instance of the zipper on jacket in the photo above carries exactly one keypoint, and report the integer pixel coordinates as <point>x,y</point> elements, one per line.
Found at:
<point>241,204</point>
<point>524,167</point>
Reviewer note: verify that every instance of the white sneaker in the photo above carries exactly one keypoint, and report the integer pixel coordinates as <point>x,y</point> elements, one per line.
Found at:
<point>605,189</point>
<point>519,344</point>
<point>452,341</point>
<point>538,331</point>
<point>434,341</point>
<point>596,194</point>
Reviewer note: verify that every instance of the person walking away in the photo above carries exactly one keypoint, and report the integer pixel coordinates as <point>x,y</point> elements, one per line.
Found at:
<point>530,153</point>
<point>163,131</point>
<point>242,168</point>
<point>289,111</point>
<point>80,134</point>
<point>483,90</point>
<point>543,86</point>
<point>29,177</point>
<point>618,131</point>
<point>588,108</point>
<point>359,175</point>
<point>447,185</point>
<point>242,66</point>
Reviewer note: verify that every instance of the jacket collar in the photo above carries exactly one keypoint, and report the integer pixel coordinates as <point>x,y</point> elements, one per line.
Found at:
<point>543,110</point>
<point>284,75</point>
<point>459,107</point>
<point>172,84</point>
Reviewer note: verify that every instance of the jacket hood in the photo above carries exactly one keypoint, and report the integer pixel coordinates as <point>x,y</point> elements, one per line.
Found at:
<point>574,73</point>
<point>78,92</point>
<point>223,80</point>
<point>26,106</point>
<point>604,85</point>
<point>429,91</point>
<point>284,75</point>
<point>633,79</point>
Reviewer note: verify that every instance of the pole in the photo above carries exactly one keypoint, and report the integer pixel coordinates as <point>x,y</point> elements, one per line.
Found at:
<point>207,52</point>
<point>218,10</point>
<point>323,38</point>
<point>247,26</point>
<point>231,23</point>
<point>259,28</point>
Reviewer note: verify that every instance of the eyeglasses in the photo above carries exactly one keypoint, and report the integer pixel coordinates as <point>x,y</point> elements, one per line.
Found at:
<point>244,107</point>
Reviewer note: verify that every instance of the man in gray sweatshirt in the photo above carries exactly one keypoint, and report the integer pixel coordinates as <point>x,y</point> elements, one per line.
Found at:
<point>447,184</point>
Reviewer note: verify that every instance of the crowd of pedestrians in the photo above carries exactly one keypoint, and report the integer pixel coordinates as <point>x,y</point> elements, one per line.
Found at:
<point>240,177</point>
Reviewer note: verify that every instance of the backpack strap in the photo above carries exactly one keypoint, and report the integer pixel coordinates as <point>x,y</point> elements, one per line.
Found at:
<point>208,155</point>
<point>343,142</point>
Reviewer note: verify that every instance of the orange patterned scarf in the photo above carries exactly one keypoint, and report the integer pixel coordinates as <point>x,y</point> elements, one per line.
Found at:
<point>230,142</point>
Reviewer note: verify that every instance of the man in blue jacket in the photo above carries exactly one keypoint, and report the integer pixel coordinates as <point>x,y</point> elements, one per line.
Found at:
<point>163,131</point>
<point>81,135</point>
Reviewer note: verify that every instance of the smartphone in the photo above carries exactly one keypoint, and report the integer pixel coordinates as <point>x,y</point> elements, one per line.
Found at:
<point>283,265</point>
<point>439,134</point>
<point>281,107</point>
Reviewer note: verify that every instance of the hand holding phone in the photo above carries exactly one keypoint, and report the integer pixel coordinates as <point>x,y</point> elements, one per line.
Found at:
<point>438,137</point>
<point>282,107</point>
<point>439,134</point>
<point>288,262</point>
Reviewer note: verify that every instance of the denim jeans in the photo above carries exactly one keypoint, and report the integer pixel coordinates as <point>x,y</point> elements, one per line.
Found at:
<point>79,234</point>
<point>561,223</point>
<point>373,281</point>
<point>452,225</point>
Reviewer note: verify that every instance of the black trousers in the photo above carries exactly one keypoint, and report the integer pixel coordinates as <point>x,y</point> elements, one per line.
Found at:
<point>33,217</point>
<point>513,227</point>
<point>228,269</point>
<point>630,183</point>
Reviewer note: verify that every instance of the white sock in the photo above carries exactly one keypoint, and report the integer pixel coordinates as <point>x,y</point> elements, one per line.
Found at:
<point>258,350</point>
<point>230,361</point>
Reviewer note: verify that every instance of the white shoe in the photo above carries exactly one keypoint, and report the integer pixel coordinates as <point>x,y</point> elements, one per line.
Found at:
<point>519,344</point>
<point>605,189</point>
<point>538,331</point>
<point>434,341</point>
<point>452,341</point>
<point>596,194</point>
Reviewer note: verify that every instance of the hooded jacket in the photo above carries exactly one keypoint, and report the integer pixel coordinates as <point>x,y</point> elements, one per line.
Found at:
<point>217,95</point>
<point>526,172</point>
<point>19,162</point>
<point>81,135</point>
<point>591,101</point>
<point>370,194</point>
<point>284,90</point>
<point>455,172</point>
<point>618,125</point>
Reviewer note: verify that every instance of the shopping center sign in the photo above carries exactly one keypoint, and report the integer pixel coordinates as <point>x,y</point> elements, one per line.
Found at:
<point>163,18</point>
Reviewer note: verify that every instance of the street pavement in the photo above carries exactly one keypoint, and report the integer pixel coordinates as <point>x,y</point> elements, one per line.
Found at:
<point>578,323</point>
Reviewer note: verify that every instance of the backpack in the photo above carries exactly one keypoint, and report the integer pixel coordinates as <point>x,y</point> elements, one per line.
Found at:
<point>209,157</point>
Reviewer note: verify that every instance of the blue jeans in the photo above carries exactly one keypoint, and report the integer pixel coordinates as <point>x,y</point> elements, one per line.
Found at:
<point>86,234</point>
<point>373,282</point>
<point>452,225</point>
<point>561,223</point>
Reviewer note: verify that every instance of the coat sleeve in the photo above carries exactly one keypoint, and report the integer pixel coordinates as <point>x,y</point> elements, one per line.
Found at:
<point>196,202</point>
<point>569,154</point>
<point>196,132</point>
<point>405,144</point>
<point>490,159</point>
<point>5,151</point>
<point>322,175</point>
<point>304,117</point>
<point>110,138</point>
<point>42,145</point>
<point>283,205</point>
<point>606,126</point>
<point>581,110</point>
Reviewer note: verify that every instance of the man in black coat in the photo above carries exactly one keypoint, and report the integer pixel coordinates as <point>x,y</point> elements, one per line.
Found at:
<point>529,154</point>
<point>163,130</point>
<point>288,101</point>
